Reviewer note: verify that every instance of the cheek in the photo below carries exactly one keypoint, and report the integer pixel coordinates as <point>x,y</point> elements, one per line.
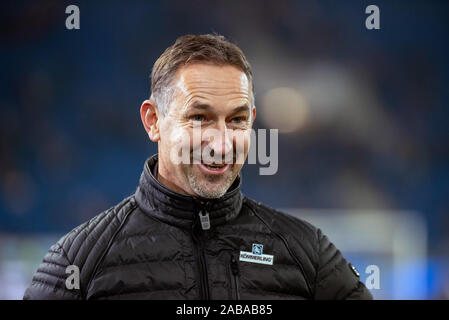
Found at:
<point>166,125</point>
<point>242,140</point>
<point>179,138</point>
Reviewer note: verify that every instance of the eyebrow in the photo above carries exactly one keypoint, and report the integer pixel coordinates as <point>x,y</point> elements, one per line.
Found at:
<point>245,107</point>
<point>207,107</point>
<point>200,106</point>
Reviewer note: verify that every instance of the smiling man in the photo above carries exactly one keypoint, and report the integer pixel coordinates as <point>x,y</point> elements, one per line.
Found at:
<point>188,232</point>
<point>215,101</point>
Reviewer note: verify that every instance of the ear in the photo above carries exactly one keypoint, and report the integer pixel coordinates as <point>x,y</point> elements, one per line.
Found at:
<point>149,114</point>
<point>254,115</point>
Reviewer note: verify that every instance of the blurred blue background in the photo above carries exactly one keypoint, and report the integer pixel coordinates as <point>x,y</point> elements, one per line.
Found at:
<point>363,119</point>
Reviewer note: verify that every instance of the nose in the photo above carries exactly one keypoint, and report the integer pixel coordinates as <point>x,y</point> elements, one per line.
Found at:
<point>219,141</point>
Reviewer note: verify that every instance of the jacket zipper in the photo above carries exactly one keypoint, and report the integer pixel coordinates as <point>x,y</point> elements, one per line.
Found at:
<point>235,271</point>
<point>201,259</point>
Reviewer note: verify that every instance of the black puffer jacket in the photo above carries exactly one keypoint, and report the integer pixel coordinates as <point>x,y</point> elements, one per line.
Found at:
<point>152,246</point>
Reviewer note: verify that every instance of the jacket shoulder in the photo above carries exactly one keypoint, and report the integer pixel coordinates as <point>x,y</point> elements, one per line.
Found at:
<point>94,234</point>
<point>82,247</point>
<point>329,274</point>
<point>286,224</point>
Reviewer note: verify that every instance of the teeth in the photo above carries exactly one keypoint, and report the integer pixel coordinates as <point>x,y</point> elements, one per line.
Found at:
<point>214,166</point>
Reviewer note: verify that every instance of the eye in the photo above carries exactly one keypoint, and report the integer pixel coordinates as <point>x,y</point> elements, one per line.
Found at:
<point>198,117</point>
<point>238,119</point>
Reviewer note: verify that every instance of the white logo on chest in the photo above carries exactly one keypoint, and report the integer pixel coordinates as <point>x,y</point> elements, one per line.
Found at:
<point>256,256</point>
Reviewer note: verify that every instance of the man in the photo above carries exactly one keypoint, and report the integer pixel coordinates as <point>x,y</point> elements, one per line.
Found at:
<point>188,232</point>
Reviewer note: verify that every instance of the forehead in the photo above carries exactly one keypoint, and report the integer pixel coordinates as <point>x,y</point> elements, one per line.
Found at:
<point>212,81</point>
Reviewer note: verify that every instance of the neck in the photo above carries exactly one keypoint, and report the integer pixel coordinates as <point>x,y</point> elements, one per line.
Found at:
<point>161,174</point>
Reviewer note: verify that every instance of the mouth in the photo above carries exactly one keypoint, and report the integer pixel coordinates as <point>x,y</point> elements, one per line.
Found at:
<point>214,168</point>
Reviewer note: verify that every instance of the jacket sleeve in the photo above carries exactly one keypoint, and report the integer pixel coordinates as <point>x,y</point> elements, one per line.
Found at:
<point>336,279</point>
<point>49,281</point>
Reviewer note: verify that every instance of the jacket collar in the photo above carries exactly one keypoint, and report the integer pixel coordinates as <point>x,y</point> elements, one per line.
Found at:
<point>182,210</point>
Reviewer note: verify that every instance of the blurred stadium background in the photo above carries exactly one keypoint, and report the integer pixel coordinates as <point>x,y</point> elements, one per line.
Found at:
<point>363,118</point>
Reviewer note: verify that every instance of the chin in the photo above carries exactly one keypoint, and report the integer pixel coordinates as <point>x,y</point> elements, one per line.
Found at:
<point>208,189</point>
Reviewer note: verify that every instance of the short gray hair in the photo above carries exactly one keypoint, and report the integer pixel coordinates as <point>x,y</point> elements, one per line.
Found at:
<point>206,48</point>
